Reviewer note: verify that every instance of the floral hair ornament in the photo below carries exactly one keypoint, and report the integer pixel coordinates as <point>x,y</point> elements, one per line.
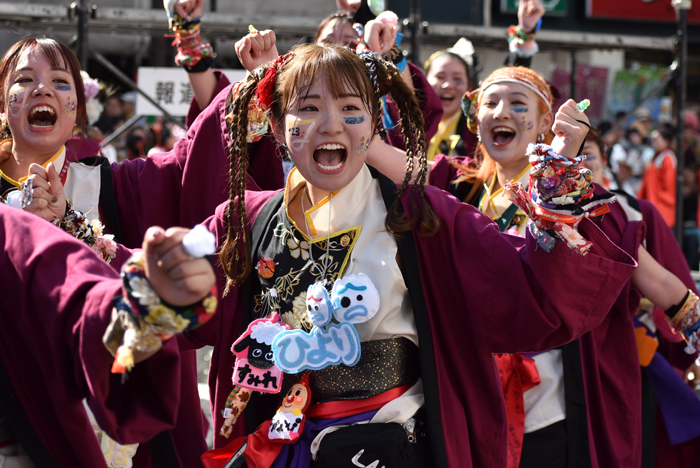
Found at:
<point>470,106</point>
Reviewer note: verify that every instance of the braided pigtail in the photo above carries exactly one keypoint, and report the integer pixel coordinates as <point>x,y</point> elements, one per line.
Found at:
<point>235,253</point>
<point>413,131</point>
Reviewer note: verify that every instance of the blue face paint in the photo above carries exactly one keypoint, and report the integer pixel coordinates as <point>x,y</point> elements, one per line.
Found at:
<point>63,87</point>
<point>520,110</point>
<point>355,120</point>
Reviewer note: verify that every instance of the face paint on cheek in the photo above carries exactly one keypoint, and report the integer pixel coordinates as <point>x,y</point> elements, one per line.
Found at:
<point>355,120</point>
<point>63,87</point>
<point>525,125</point>
<point>71,106</point>
<point>364,145</point>
<point>520,110</point>
<point>14,103</point>
<point>300,134</point>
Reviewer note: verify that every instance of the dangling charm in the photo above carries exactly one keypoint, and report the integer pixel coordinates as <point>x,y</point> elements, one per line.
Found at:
<point>540,138</point>
<point>478,136</point>
<point>288,422</point>
<point>255,367</point>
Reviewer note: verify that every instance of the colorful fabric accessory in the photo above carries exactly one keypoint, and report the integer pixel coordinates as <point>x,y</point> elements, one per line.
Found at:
<point>90,232</point>
<point>265,92</point>
<point>559,197</point>
<point>255,365</point>
<point>470,108</point>
<point>354,300</point>
<point>288,421</point>
<point>258,119</point>
<point>687,321</point>
<point>143,321</point>
<point>518,374</point>
<point>235,404</point>
<point>190,47</point>
<point>517,35</point>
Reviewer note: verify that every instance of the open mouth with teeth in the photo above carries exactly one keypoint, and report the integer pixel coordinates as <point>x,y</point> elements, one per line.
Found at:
<point>330,158</point>
<point>448,97</point>
<point>42,117</point>
<point>502,135</point>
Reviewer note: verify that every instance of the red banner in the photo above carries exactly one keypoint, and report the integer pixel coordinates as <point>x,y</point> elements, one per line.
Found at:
<point>639,10</point>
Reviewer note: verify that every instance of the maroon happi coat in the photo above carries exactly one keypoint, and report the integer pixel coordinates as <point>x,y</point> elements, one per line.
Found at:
<point>474,292</point>
<point>56,303</point>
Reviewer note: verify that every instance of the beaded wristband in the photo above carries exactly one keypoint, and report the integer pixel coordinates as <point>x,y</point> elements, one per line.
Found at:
<point>91,232</point>
<point>143,321</point>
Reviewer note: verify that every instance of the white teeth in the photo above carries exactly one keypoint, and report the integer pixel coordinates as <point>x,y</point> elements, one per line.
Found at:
<point>42,109</point>
<point>503,130</point>
<point>331,146</point>
<point>330,168</point>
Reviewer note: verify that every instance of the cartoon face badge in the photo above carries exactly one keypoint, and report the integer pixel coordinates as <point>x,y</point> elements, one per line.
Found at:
<point>355,299</point>
<point>287,424</point>
<point>318,306</point>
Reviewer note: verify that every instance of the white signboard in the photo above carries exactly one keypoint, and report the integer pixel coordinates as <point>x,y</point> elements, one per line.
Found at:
<point>170,88</point>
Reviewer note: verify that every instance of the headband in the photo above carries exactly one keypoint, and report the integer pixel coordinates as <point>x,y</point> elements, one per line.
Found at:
<point>470,100</point>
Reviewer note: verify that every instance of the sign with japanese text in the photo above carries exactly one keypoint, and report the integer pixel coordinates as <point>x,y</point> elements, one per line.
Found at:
<point>170,88</point>
<point>639,10</point>
<point>551,7</point>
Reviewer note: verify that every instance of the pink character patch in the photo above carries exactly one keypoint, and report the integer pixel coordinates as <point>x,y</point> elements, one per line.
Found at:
<point>255,365</point>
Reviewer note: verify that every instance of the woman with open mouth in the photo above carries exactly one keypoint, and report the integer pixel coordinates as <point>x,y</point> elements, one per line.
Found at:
<point>511,113</point>
<point>452,290</point>
<point>450,71</point>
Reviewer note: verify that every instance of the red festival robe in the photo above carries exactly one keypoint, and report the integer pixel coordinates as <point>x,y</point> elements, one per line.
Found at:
<point>479,293</point>
<point>55,306</point>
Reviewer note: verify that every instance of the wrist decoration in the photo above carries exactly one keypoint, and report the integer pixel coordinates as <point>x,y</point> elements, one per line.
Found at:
<point>190,48</point>
<point>686,320</point>
<point>90,232</point>
<point>142,321</point>
<point>518,37</point>
<point>560,195</point>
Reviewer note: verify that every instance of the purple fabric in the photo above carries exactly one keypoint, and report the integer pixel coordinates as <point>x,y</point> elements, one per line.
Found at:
<point>55,307</point>
<point>298,455</point>
<point>678,403</point>
<point>511,297</point>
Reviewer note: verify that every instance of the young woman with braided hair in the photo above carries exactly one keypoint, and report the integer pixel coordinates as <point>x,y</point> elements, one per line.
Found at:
<point>511,112</point>
<point>429,347</point>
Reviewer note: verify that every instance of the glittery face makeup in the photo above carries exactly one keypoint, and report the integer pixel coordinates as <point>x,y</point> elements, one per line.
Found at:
<point>70,106</point>
<point>300,132</point>
<point>520,110</point>
<point>525,124</point>
<point>63,87</point>
<point>355,120</point>
<point>364,145</point>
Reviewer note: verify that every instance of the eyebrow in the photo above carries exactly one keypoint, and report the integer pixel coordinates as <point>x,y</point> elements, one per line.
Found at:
<point>521,94</point>
<point>53,69</point>
<point>343,95</point>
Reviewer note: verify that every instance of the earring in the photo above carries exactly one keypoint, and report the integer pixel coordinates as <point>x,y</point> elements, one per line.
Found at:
<point>540,138</point>
<point>478,136</point>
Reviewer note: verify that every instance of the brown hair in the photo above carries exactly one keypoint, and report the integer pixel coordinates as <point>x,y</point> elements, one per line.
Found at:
<point>59,55</point>
<point>344,70</point>
<point>478,173</point>
<point>341,17</point>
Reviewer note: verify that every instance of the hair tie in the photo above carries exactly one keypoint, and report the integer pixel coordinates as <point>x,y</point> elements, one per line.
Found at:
<point>265,91</point>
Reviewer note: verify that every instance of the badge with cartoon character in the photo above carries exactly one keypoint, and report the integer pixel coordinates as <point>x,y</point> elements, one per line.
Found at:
<point>255,365</point>
<point>333,340</point>
<point>288,422</point>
